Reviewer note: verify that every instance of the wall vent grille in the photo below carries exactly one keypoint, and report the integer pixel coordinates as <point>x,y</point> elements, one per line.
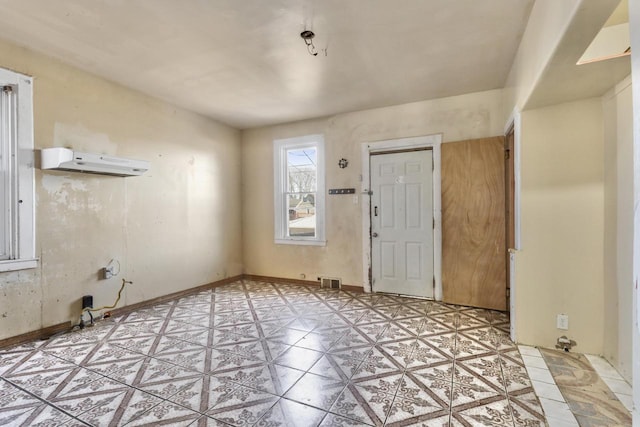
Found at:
<point>330,282</point>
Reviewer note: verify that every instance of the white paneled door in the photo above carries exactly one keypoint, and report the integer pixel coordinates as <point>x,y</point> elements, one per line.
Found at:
<point>402,223</point>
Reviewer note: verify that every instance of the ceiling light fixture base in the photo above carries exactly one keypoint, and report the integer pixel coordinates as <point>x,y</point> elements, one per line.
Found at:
<point>307,36</point>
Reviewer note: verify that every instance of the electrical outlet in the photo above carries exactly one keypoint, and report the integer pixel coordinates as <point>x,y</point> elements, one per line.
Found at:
<point>562,321</point>
<point>107,273</point>
<point>87,301</point>
<point>109,270</point>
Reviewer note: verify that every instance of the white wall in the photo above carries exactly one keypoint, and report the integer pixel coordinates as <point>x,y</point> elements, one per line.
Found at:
<point>174,228</point>
<point>559,268</point>
<point>634,27</point>
<point>548,21</point>
<point>618,222</point>
<point>463,117</point>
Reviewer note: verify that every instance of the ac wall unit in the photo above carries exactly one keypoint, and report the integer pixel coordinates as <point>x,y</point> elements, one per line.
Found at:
<point>65,159</point>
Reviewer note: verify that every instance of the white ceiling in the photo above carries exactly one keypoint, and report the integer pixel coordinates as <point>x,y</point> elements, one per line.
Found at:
<point>243,62</point>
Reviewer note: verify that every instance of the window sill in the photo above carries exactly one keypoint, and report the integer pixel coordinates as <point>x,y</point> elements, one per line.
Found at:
<point>301,242</point>
<point>18,264</point>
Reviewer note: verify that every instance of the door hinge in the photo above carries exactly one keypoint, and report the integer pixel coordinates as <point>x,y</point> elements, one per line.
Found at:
<point>434,223</point>
<point>434,282</point>
<point>507,154</point>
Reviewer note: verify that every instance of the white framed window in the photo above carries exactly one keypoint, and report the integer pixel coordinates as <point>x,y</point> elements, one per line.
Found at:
<point>17,215</point>
<point>298,165</point>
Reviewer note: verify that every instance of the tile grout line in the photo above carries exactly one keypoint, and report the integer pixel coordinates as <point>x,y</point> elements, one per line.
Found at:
<point>568,416</point>
<point>604,375</point>
<point>361,316</point>
<point>76,366</point>
<point>44,402</point>
<point>573,394</point>
<point>607,379</point>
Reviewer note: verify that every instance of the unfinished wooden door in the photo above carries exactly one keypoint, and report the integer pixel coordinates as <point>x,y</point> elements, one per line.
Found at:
<point>473,223</point>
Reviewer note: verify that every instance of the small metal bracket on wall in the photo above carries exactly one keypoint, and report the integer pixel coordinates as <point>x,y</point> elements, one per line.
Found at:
<point>342,191</point>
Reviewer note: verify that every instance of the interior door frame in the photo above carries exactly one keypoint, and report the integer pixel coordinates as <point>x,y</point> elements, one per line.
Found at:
<point>514,122</point>
<point>432,142</point>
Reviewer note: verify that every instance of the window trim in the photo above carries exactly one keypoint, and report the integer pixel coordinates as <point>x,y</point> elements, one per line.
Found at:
<point>280,147</point>
<point>24,221</point>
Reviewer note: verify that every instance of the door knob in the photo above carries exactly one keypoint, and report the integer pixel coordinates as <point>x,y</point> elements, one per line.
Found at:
<point>374,234</point>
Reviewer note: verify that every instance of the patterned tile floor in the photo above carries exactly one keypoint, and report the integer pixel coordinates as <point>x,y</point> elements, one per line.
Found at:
<point>253,353</point>
<point>589,398</point>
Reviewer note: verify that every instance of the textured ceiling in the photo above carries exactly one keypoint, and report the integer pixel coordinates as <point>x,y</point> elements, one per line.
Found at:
<point>244,63</point>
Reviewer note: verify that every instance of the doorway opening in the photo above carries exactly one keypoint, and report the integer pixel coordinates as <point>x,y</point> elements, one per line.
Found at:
<point>407,258</point>
<point>512,213</point>
<point>509,200</point>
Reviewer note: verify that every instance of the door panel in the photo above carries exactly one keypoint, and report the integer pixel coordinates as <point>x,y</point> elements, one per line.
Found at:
<point>413,208</point>
<point>385,210</point>
<point>414,264</point>
<point>473,223</point>
<point>388,258</point>
<point>402,223</point>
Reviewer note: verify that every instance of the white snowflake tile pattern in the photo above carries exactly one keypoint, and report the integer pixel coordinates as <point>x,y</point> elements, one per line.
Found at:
<point>273,354</point>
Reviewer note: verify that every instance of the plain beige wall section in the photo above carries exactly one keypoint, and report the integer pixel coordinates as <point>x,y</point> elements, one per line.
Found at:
<point>618,222</point>
<point>457,118</point>
<point>634,30</point>
<point>560,266</point>
<point>174,228</point>
<point>547,25</point>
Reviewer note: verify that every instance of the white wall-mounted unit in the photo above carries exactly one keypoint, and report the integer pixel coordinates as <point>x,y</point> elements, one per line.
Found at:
<point>65,159</point>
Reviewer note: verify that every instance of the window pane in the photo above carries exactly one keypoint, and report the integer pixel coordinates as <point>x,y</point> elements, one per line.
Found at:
<point>301,170</point>
<point>302,214</point>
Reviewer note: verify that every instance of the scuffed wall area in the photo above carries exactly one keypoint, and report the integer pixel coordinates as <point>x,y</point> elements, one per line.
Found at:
<point>457,118</point>
<point>174,228</point>
<point>559,268</point>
